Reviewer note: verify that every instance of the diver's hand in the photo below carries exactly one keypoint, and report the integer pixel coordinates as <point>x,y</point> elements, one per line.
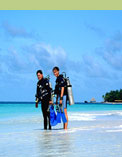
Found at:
<point>36,105</point>
<point>50,102</point>
<point>60,102</point>
<point>37,101</point>
<point>56,103</point>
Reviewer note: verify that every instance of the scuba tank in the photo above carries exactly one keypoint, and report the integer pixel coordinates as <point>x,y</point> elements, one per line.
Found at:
<point>69,89</point>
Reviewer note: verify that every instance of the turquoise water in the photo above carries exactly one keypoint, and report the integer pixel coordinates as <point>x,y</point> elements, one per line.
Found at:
<point>9,109</point>
<point>94,130</point>
<point>94,107</point>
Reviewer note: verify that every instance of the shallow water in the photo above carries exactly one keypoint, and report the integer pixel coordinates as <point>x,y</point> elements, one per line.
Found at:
<point>94,133</point>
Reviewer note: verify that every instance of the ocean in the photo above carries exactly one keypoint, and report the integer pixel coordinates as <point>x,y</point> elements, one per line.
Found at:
<point>94,130</point>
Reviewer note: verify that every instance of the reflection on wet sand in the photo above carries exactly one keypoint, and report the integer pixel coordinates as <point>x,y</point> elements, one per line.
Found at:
<point>54,143</point>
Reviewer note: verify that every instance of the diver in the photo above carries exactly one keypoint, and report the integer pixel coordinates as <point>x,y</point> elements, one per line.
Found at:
<point>61,94</point>
<point>43,94</point>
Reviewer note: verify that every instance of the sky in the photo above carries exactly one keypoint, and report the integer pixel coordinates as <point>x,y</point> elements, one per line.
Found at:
<point>87,45</point>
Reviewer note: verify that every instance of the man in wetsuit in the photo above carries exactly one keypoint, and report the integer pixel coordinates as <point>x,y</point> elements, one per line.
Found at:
<point>61,92</point>
<point>44,95</point>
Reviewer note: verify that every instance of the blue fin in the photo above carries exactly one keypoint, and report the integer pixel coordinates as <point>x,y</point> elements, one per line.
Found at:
<point>58,118</point>
<point>53,118</point>
<point>63,117</point>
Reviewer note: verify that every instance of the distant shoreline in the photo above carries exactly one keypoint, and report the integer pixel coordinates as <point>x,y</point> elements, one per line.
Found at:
<point>27,102</point>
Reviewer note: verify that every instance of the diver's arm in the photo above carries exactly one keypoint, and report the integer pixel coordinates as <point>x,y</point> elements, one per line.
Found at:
<point>57,100</point>
<point>37,99</point>
<point>37,91</point>
<point>62,93</point>
<point>49,89</point>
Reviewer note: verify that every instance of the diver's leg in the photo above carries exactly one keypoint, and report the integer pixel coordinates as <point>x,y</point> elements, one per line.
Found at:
<point>66,124</point>
<point>48,115</point>
<point>45,121</point>
<point>44,112</point>
<point>65,110</point>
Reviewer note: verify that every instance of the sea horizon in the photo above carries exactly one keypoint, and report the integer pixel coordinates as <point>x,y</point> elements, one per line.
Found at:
<point>32,102</point>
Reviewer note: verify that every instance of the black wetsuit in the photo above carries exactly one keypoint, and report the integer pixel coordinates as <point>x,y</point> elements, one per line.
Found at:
<point>44,95</point>
<point>60,82</point>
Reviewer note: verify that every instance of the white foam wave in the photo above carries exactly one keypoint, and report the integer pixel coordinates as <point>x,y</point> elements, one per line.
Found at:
<point>72,130</point>
<point>77,116</point>
<point>22,120</point>
<point>120,126</point>
<point>119,130</point>
<point>81,117</point>
<point>119,113</point>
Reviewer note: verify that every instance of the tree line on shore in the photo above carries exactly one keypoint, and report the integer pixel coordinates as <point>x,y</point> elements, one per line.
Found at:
<point>113,96</point>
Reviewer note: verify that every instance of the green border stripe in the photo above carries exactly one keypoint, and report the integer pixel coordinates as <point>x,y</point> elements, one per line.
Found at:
<point>60,5</point>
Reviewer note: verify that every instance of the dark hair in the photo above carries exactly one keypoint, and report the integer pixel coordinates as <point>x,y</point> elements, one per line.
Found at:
<point>56,68</point>
<point>39,71</point>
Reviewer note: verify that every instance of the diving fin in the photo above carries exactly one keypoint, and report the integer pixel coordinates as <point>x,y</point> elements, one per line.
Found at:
<point>53,118</point>
<point>63,117</point>
<point>58,118</point>
<point>62,113</point>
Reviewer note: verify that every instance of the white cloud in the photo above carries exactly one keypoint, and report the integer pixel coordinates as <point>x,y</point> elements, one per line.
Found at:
<point>95,29</point>
<point>37,56</point>
<point>17,31</point>
<point>111,52</point>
